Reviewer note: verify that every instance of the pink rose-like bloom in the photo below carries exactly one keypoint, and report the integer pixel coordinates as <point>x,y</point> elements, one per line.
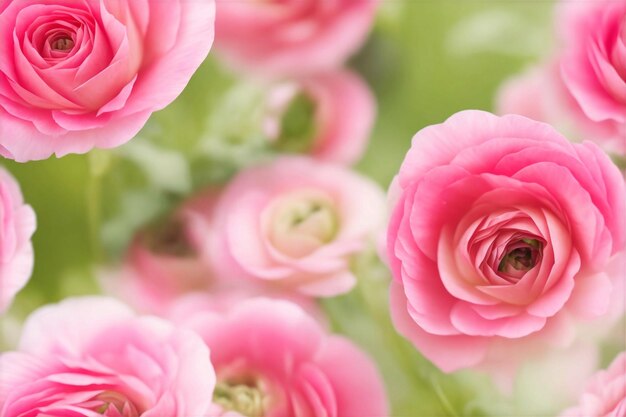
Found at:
<point>17,226</point>
<point>540,94</point>
<point>272,360</point>
<point>75,74</point>
<point>329,116</point>
<point>92,356</point>
<point>293,37</point>
<point>296,223</point>
<point>501,238</point>
<point>593,65</point>
<point>605,395</point>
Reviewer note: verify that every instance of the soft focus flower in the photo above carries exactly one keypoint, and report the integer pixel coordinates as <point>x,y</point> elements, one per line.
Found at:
<point>81,74</point>
<point>294,37</point>
<point>163,261</point>
<point>593,65</point>
<point>17,225</point>
<point>271,359</point>
<point>540,94</point>
<point>295,223</point>
<point>329,116</point>
<point>605,395</point>
<point>501,238</point>
<point>92,357</point>
<point>582,90</point>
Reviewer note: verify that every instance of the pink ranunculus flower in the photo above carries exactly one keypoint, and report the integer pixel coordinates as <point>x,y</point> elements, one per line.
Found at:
<point>329,116</point>
<point>75,75</point>
<point>605,395</point>
<point>540,93</point>
<point>295,224</point>
<point>501,238</point>
<point>164,262</point>
<point>593,65</point>
<point>285,38</point>
<point>271,359</point>
<point>92,356</point>
<point>17,226</point>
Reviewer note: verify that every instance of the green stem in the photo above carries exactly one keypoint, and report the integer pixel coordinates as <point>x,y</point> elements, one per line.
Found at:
<point>99,162</point>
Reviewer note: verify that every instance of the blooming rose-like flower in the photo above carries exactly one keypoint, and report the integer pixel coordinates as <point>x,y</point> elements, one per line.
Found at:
<point>294,37</point>
<point>295,223</point>
<point>593,65</point>
<point>499,240</point>
<point>329,116</point>
<point>93,357</point>
<point>271,359</point>
<point>81,74</point>
<point>17,225</point>
<point>605,395</point>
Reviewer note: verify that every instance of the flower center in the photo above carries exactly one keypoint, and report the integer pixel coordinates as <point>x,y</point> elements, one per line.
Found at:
<point>297,126</point>
<point>245,399</point>
<point>62,44</point>
<point>302,223</point>
<point>114,404</point>
<point>521,256</point>
<point>168,237</point>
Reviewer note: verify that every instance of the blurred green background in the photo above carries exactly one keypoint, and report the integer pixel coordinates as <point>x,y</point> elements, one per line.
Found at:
<point>425,60</point>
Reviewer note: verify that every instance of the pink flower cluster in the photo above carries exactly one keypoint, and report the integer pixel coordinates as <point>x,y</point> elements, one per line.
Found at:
<point>300,47</point>
<point>93,356</point>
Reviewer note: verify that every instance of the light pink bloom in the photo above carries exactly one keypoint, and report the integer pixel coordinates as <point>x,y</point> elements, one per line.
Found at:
<point>293,37</point>
<point>296,224</point>
<point>501,238</point>
<point>539,93</point>
<point>342,112</point>
<point>605,395</point>
<point>17,226</point>
<point>92,356</point>
<point>272,360</point>
<point>75,75</point>
<point>593,65</point>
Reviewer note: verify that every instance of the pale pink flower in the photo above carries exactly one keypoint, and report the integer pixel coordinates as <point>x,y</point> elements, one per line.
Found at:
<point>75,75</point>
<point>605,395</point>
<point>540,94</point>
<point>501,238</point>
<point>293,37</point>
<point>296,223</point>
<point>17,226</point>
<point>593,65</point>
<point>92,356</point>
<point>329,116</point>
<point>272,360</point>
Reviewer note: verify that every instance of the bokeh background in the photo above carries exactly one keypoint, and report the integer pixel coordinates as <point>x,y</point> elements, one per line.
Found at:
<point>425,60</point>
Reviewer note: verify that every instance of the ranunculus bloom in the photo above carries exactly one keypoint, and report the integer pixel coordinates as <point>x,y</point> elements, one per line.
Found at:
<point>593,65</point>
<point>500,239</point>
<point>271,359</point>
<point>294,37</point>
<point>295,224</point>
<point>92,356</point>
<point>81,74</point>
<point>539,93</point>
<point>17,225</point>
<point>605,395</point>
<point>329,116</point>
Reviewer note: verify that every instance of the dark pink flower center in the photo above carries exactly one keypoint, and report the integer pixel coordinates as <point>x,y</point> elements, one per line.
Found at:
<point>520,256</point>
<point>62,43</point>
